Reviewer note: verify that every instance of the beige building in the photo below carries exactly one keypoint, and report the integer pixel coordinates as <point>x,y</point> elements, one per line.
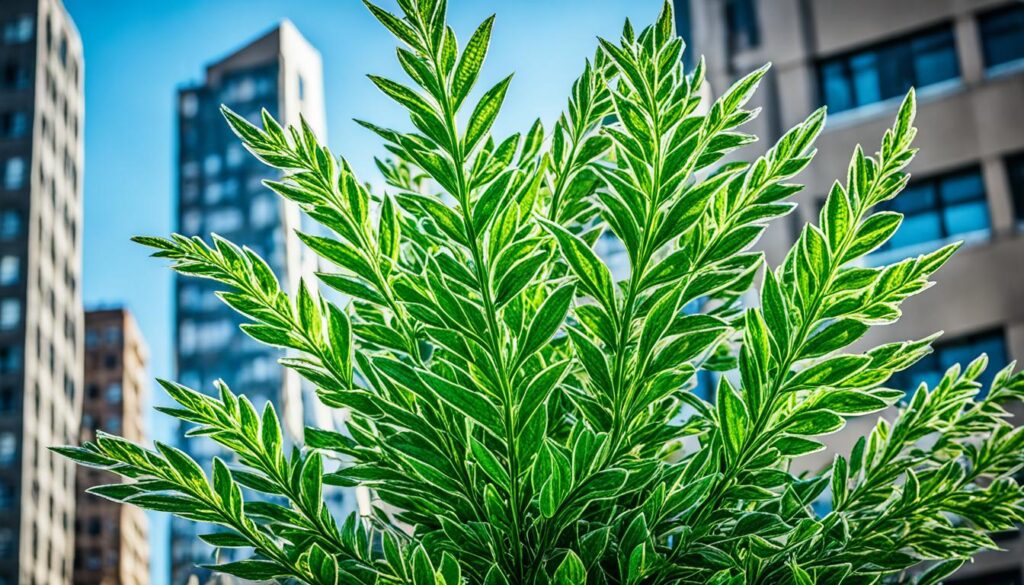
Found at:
<point>966,58</point>
<point>111,540</point>
<point>41,114</point>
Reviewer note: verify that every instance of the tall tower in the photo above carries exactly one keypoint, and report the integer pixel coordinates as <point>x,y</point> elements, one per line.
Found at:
<point>966,59</point>
<point>220,191</point>
<point>41,113</point>
<point>111,540</point>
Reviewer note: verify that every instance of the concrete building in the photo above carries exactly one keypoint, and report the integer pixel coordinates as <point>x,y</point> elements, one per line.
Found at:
<point>41,113</point>
<point>220,191</point>
<point>966,58</point>
<point>111,540</point>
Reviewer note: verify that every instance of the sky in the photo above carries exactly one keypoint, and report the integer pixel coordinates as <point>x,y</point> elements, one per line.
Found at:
<point>138,52</point>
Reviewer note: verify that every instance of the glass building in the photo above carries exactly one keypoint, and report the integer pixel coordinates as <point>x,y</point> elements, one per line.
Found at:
<point>220,191</point>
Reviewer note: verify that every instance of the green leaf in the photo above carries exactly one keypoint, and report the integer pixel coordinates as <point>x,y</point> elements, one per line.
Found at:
<point>592,272</point>
<point>570,571</point>
<point>484,114</point>
<point>470,63</point>
<point>733,419</point>
<point>548,319</point>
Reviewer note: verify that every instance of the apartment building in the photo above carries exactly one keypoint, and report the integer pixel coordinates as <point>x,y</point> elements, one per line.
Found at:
<point>966,59</point>
<point>111,540</point>
<point>220,191</point>
<point>41,113</point>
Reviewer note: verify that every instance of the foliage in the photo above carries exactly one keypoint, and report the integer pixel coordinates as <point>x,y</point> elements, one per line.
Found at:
<point>523,417</point>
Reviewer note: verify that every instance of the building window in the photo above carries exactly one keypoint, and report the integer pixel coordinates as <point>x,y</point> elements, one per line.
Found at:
<point>211,165</point>
<point>888,70</point>
<point>302,88</point>
<point>937,209</point>
<point>113,424</point>
<point>62,51</point>
<point>21,29</point>
<point>10,314</point>
<point>14,124</point>
<point>9,270</point>
<point>741,20</point>
<point>6,399</point>
<point>10,359</point>
<point>14,173</point>
<point>10,224</point>
<point>114,393</point>
<point>263,211</point>
<point>1015,172</point>
<point>961,351</point>
<point>1002,36</point>
<point>224,221</point>
<point>15,76</point>
<point>189,105</point>
<point>8,448</point>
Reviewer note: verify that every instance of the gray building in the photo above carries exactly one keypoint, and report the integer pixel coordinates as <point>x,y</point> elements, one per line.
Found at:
<point>220,191</point>
<point>966,58</point>
<point>41,112</point>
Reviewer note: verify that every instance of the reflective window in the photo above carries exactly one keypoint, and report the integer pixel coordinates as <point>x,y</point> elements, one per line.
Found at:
<point>9,270</point>
<point>14,124</point>
<point>8,448</point>
<point>234,155</point>
<point>939,208</point>
<point>263,211</point>
<point>888,70</point>
<point>1015,172</point>
<point>211,164</point>
<point>10,224</point>
<point>15,76</point>
<point>114,393</point>
<point>14,173</point>
<point>1002,35</point>
<point>10,359</point>
<point>10,314</point>
<point>956,351</point>
<point>189,105</point>
<point>20,29</point>
<point>741,20</point>
<point>224,220</point>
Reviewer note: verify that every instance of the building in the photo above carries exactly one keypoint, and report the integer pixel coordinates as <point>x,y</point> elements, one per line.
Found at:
<point>220,191</point>
<point>41,113</point>
<point>966,58</point>
<point>111,540</point>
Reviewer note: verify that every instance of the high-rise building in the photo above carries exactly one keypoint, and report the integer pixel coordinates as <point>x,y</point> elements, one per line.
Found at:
<point>111,540</point>
<point>220,191</point>
<point>41,112</point>
<point>966,59</point>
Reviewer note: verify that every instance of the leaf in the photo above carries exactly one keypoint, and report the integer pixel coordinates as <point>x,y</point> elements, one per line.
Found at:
<point>570,571</point>
<point>592,272</point>
<point>732,417</point>
<point>252,569</point>
<point>548,319</point>
<point>486,111</point>
<point>469,64</point>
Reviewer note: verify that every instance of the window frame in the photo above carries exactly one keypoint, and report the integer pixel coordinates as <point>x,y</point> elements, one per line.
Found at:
<point>986,17</point>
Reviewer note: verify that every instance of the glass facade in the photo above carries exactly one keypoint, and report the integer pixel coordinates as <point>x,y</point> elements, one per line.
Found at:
<point>961,351</point>
<point>888,70</point>
<point>939,209</point>
<point>1015,173</point>
<point>1002,36</point>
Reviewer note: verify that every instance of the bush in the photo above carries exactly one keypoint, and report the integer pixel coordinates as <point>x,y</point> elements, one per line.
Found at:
<point>523,417</point>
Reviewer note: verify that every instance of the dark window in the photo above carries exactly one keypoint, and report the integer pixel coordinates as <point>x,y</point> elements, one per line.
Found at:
<point>1002,35</point>
<point>110,361</point>
<point>961,351</point>
<point>95,526</point>
<point>939,208</point>
<point>14,124</point>
<point>1015,171</point>
<point>7,402</point>
<point>741,20</point>
<point>888,70</point>
<point>10,359</point>
<point>15,76</point>
<point>1005,577</point>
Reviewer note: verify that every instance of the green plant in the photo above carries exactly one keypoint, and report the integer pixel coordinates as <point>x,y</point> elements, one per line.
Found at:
<point>521,414</point>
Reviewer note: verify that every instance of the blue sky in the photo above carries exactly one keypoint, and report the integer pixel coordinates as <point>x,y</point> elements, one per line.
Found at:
<point>137,53</point>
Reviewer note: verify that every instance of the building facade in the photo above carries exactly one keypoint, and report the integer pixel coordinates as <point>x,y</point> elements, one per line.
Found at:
<point>220,191</point>
<point>966,59</point>
<point>41,121</point>
<point>111,540</point>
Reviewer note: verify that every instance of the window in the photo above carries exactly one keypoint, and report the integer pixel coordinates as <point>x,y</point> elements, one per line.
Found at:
<point>13,124</point>
<point>741,20</point>
<point>6,399</point>
<point>1015,171</point>
<point>113,424</point>
<point>888,70</point>
<point>302,88</point>
<point>15,76</point>
<point>957,351</point>
<point>8,448</point>
<point>19,30</point>
<point>234,156</point>
<point>14,173</point>
<point>940,208</point>
<point>62,51</point>
<point>114,393</point>
<point>189,105</point>
<point>224,220</point>
<point>10,359</point>
<point>10,314</point>
<point>9,270</point>
<point>211,164</point>
<point>10,224</point>
<point>263,211</point>
<point>1002,36</point>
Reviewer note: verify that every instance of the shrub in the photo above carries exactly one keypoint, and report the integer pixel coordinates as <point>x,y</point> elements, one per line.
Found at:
<point>523,417</point>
